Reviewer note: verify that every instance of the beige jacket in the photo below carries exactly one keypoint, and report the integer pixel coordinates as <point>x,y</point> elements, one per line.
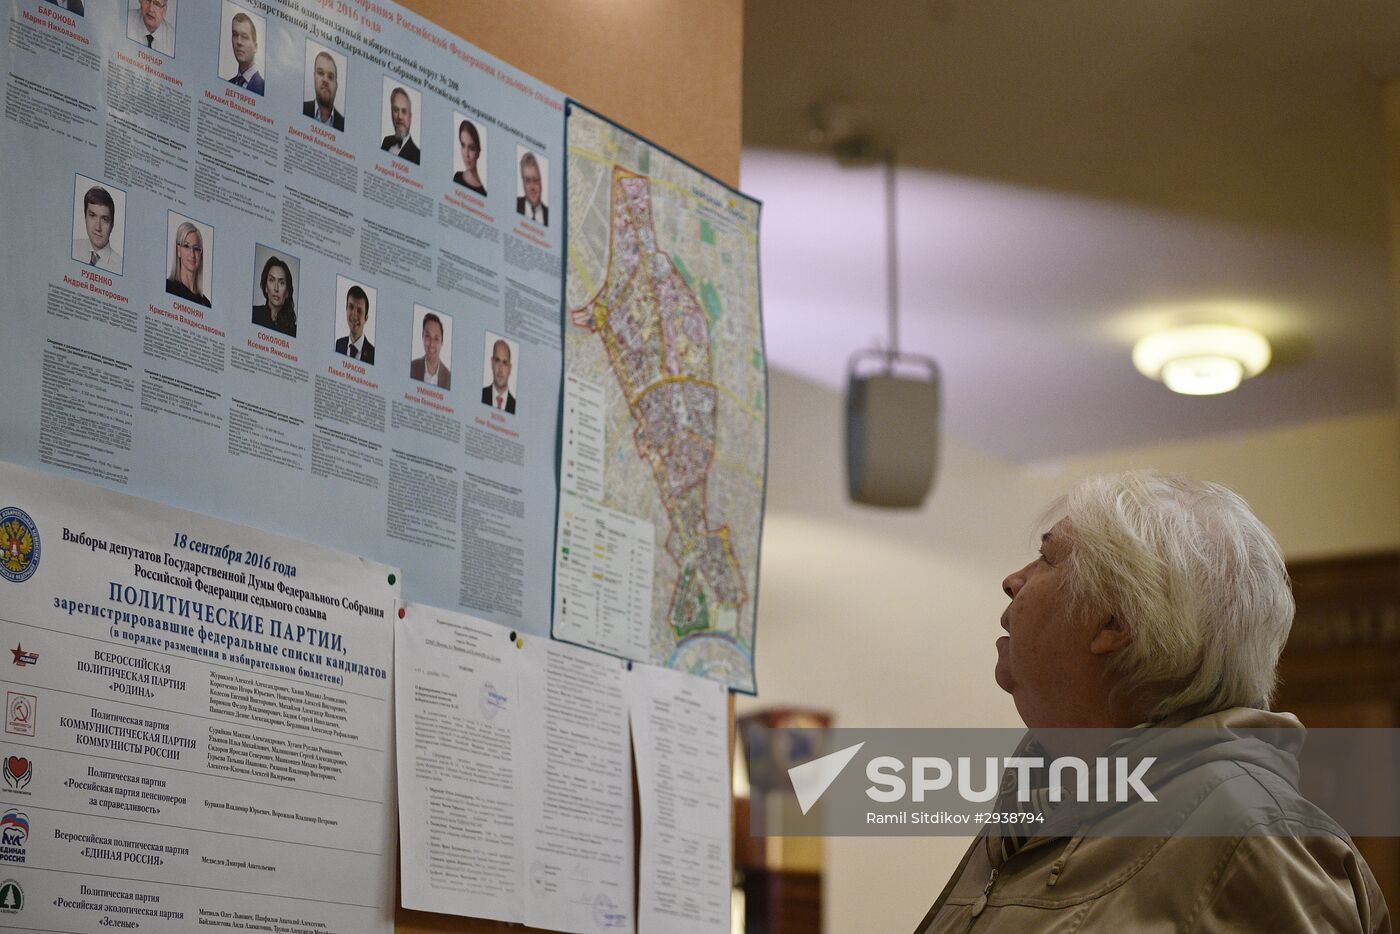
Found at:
<point>1288,868</point>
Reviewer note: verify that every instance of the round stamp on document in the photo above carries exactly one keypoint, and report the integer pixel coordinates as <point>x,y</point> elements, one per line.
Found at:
<point>19,545</point>
<point>606,915</point>
<point>492,701</point>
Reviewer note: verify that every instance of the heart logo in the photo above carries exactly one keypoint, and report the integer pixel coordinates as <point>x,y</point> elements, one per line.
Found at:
<point>18,770</point>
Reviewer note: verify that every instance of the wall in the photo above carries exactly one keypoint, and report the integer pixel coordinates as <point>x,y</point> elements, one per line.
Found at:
<point>667,69</point>
<point>889,618</point>
<point>1324,488</point>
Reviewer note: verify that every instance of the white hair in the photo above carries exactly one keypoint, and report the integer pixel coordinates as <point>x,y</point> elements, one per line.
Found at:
<point>1196,579</point>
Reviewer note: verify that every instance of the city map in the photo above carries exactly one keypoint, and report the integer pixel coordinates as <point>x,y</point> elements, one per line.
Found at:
<point>664,447</point>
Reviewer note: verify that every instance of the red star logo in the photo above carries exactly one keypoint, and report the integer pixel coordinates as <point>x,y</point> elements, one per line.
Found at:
<point>19,653</point>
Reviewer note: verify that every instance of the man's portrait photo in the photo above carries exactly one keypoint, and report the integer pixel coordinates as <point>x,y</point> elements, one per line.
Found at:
<point>98,215</point>
<point>152,23</point>
<point>72,6</point>
<point>324,87</point>
<point>432,347</point>
<point>400,103</point>
<point>354,326</point>
<point>469,154</point>
<point>499,373</point>
<point>191,253</point>
<point>275,289</point>
<point>240,59</point>
<point>530,195</point>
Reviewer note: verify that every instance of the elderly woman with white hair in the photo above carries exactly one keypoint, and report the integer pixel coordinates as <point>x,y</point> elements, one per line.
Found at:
<point>1158,601</point>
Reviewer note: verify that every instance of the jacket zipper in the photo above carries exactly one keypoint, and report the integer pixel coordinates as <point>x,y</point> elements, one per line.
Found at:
<point>981,902</point>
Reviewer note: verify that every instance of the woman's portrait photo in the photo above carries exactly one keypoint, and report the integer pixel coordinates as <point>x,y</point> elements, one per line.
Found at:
<point>191,249</point>
<point>469,155</point>
<point>274,292</point>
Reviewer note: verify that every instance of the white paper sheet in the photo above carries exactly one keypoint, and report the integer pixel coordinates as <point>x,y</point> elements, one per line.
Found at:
<point>202,728</point>
<point>459,715</point>
<point>680,731</point>
<point>515,784</point>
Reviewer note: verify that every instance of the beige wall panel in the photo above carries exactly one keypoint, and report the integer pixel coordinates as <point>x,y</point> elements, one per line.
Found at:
<point>667,69</point>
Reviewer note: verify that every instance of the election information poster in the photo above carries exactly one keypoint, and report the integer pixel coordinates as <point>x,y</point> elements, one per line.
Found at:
<point>665,422</point>
<point>198,722</point>
<point>294,263</point>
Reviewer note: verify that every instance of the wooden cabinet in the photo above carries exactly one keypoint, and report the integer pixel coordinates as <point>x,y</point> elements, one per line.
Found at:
<point>1341,666</point>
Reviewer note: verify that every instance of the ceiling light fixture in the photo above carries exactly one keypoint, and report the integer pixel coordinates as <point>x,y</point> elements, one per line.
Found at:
<point>1202,359</point>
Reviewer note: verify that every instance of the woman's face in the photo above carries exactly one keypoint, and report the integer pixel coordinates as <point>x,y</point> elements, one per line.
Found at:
<point>276,287</point>
<point>470,151</point>
<point>191,250</point>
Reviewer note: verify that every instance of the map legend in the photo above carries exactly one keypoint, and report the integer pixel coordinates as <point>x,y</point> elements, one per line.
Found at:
<point>585,409</point>
<point>602,591</point>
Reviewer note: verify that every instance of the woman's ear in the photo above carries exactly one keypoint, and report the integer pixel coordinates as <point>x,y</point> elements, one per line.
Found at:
<point>1111,636</point>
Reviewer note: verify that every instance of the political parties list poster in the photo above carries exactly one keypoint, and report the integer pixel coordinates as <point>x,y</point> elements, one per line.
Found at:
<point>197,721</point>
<point>292,263</point>
<point>665,428</point>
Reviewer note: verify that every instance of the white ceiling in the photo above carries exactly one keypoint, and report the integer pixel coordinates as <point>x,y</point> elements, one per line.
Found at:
<point>1085,171</point>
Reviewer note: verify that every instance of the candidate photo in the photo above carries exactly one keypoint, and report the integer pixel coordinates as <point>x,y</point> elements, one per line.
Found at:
<point>323,89</point>
<point>530,195</point>
<point>240,61</point>
<point>191,246</point>
<point>274,292</point>
<point>469,155</point>
<point>397,124</point>
<point>432,348</point>
<point>98,216</point>
<point>152,23</point>
<point>72,6</point>
<point>355,326</point>
<point>499,373</point>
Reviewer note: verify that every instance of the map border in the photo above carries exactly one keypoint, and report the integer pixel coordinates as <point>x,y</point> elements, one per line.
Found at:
<point>570,103</point>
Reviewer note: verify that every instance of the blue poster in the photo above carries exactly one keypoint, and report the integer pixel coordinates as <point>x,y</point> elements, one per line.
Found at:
<point>295,264</point>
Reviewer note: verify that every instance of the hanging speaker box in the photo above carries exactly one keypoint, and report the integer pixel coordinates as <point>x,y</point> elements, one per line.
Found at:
<point>892,431</point>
